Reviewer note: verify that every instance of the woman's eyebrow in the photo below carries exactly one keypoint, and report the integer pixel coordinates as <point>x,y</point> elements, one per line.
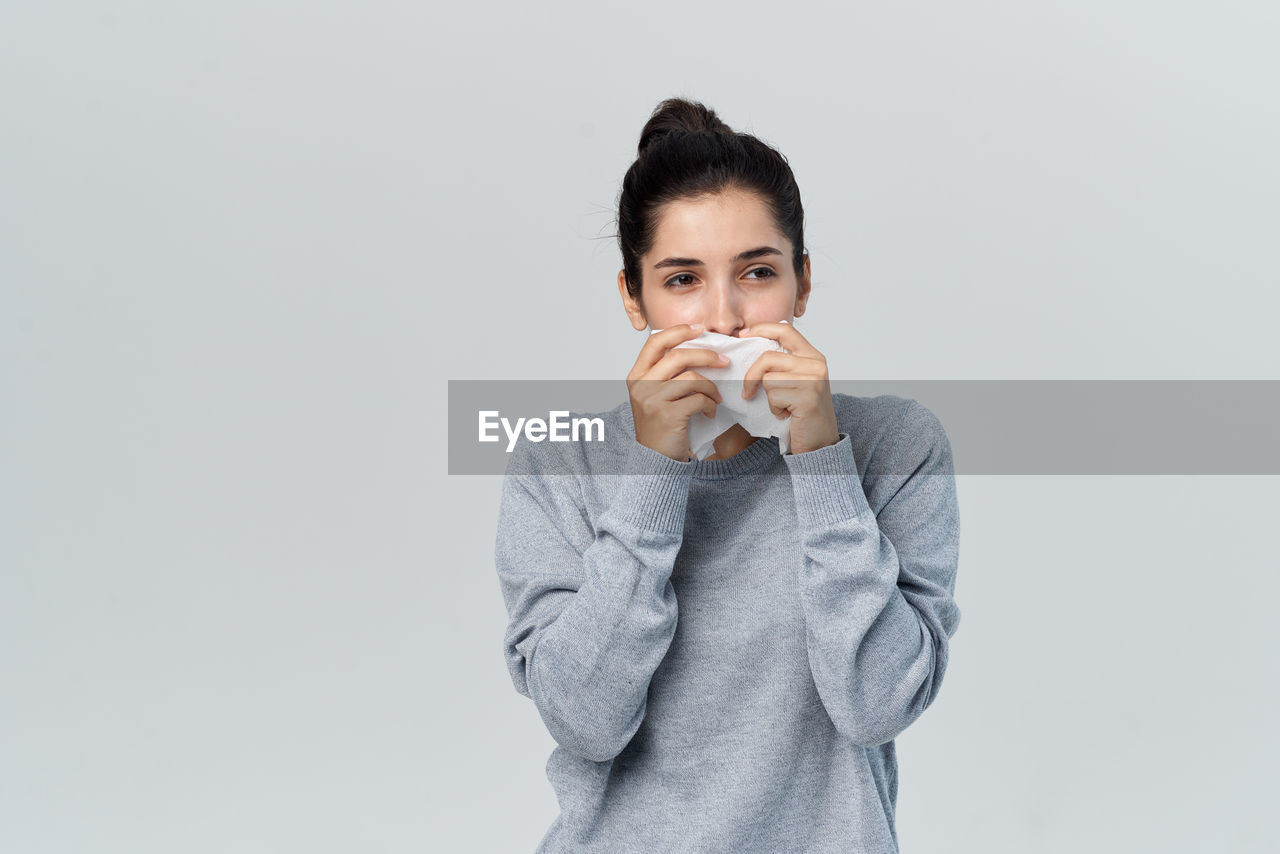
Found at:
<point>694,262</point>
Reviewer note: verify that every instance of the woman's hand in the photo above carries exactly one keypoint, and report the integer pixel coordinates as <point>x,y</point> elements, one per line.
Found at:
<point>665,394</point>
<point>796,384</point>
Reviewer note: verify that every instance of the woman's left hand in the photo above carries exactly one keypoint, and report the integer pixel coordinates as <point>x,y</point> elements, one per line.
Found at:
<point>796,384</point>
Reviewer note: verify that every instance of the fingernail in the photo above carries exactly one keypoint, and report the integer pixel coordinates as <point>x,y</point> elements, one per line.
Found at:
<point>697,327</point>
<point>724,359</point>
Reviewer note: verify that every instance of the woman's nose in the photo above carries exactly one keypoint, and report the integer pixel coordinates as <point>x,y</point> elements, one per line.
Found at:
<point>722,314</point>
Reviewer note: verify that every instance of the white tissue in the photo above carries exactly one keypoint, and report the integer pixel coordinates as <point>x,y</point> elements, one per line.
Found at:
<point>754,414</point>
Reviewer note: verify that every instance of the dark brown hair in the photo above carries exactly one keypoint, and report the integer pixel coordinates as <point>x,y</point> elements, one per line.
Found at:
<point>685,151</point>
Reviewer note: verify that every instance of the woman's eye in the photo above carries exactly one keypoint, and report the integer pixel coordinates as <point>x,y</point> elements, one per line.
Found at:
<point>676,280</point>
<point>768,273</point>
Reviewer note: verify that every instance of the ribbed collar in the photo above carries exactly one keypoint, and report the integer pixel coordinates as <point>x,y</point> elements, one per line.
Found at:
<point>754,457</point>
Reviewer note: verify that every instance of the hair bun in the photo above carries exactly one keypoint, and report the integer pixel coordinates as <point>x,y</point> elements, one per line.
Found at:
<point>678,114</point>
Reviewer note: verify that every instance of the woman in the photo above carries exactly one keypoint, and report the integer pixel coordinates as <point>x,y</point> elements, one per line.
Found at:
<point>724,649</point>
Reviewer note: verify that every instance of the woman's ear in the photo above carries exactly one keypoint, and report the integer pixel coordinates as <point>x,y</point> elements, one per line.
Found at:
<point>804,286</point>
<point>632,306</point>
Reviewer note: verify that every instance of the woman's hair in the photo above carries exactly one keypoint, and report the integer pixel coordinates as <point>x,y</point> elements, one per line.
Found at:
<point>685,152</point>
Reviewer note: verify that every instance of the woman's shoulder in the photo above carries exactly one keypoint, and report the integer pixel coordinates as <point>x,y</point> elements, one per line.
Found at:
<point>568,481</point>
<point>889,433</point>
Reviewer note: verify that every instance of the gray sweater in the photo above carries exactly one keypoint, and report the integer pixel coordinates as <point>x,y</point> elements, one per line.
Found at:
<point>724,650</point>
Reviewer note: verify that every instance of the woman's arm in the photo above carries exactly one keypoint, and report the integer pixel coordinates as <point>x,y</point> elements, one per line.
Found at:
<point>589,627</point>
<point>878,590</point>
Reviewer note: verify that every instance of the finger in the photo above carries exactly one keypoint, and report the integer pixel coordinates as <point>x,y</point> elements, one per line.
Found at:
<point>660,342</point>
<point>674,388</point>
<point>784,400</point>
<point>689,383</point>
<point>767,362</point>
<point>785,334</point>
<point>695,403</point>
<point>787,379</point>
<point>681,358</point>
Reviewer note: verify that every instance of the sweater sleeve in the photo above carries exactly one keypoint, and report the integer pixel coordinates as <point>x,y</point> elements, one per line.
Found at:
<point>589,626</point>
<point>877,589</point>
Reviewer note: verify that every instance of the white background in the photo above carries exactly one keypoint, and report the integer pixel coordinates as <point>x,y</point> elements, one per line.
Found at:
<point>243,247</point>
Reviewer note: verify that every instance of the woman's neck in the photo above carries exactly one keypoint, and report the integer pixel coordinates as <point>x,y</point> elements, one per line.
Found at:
<point>733,441</point>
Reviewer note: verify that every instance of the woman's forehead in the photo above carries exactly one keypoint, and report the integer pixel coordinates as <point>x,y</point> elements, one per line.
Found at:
<point>718,222</point>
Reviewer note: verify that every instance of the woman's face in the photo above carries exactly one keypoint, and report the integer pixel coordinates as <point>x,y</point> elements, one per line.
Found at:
<point>720,261</point>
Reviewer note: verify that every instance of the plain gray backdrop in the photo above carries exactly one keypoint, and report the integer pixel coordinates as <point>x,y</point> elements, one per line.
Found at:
<point>243,247</point>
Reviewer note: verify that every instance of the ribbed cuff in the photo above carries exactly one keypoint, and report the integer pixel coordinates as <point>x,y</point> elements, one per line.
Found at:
<point>827,487</point>
<point>654,491</point>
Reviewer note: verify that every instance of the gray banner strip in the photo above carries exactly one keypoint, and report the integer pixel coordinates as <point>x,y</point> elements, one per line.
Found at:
<point>1091,427</point>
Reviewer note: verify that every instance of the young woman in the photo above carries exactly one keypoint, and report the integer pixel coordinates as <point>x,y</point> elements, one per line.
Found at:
<point>725,649</point>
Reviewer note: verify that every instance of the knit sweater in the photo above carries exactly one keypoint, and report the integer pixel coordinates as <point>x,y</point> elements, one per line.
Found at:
<point>724,650</point>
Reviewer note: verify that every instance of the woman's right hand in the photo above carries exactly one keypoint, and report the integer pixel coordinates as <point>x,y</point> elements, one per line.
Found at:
<point>665,392</point>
